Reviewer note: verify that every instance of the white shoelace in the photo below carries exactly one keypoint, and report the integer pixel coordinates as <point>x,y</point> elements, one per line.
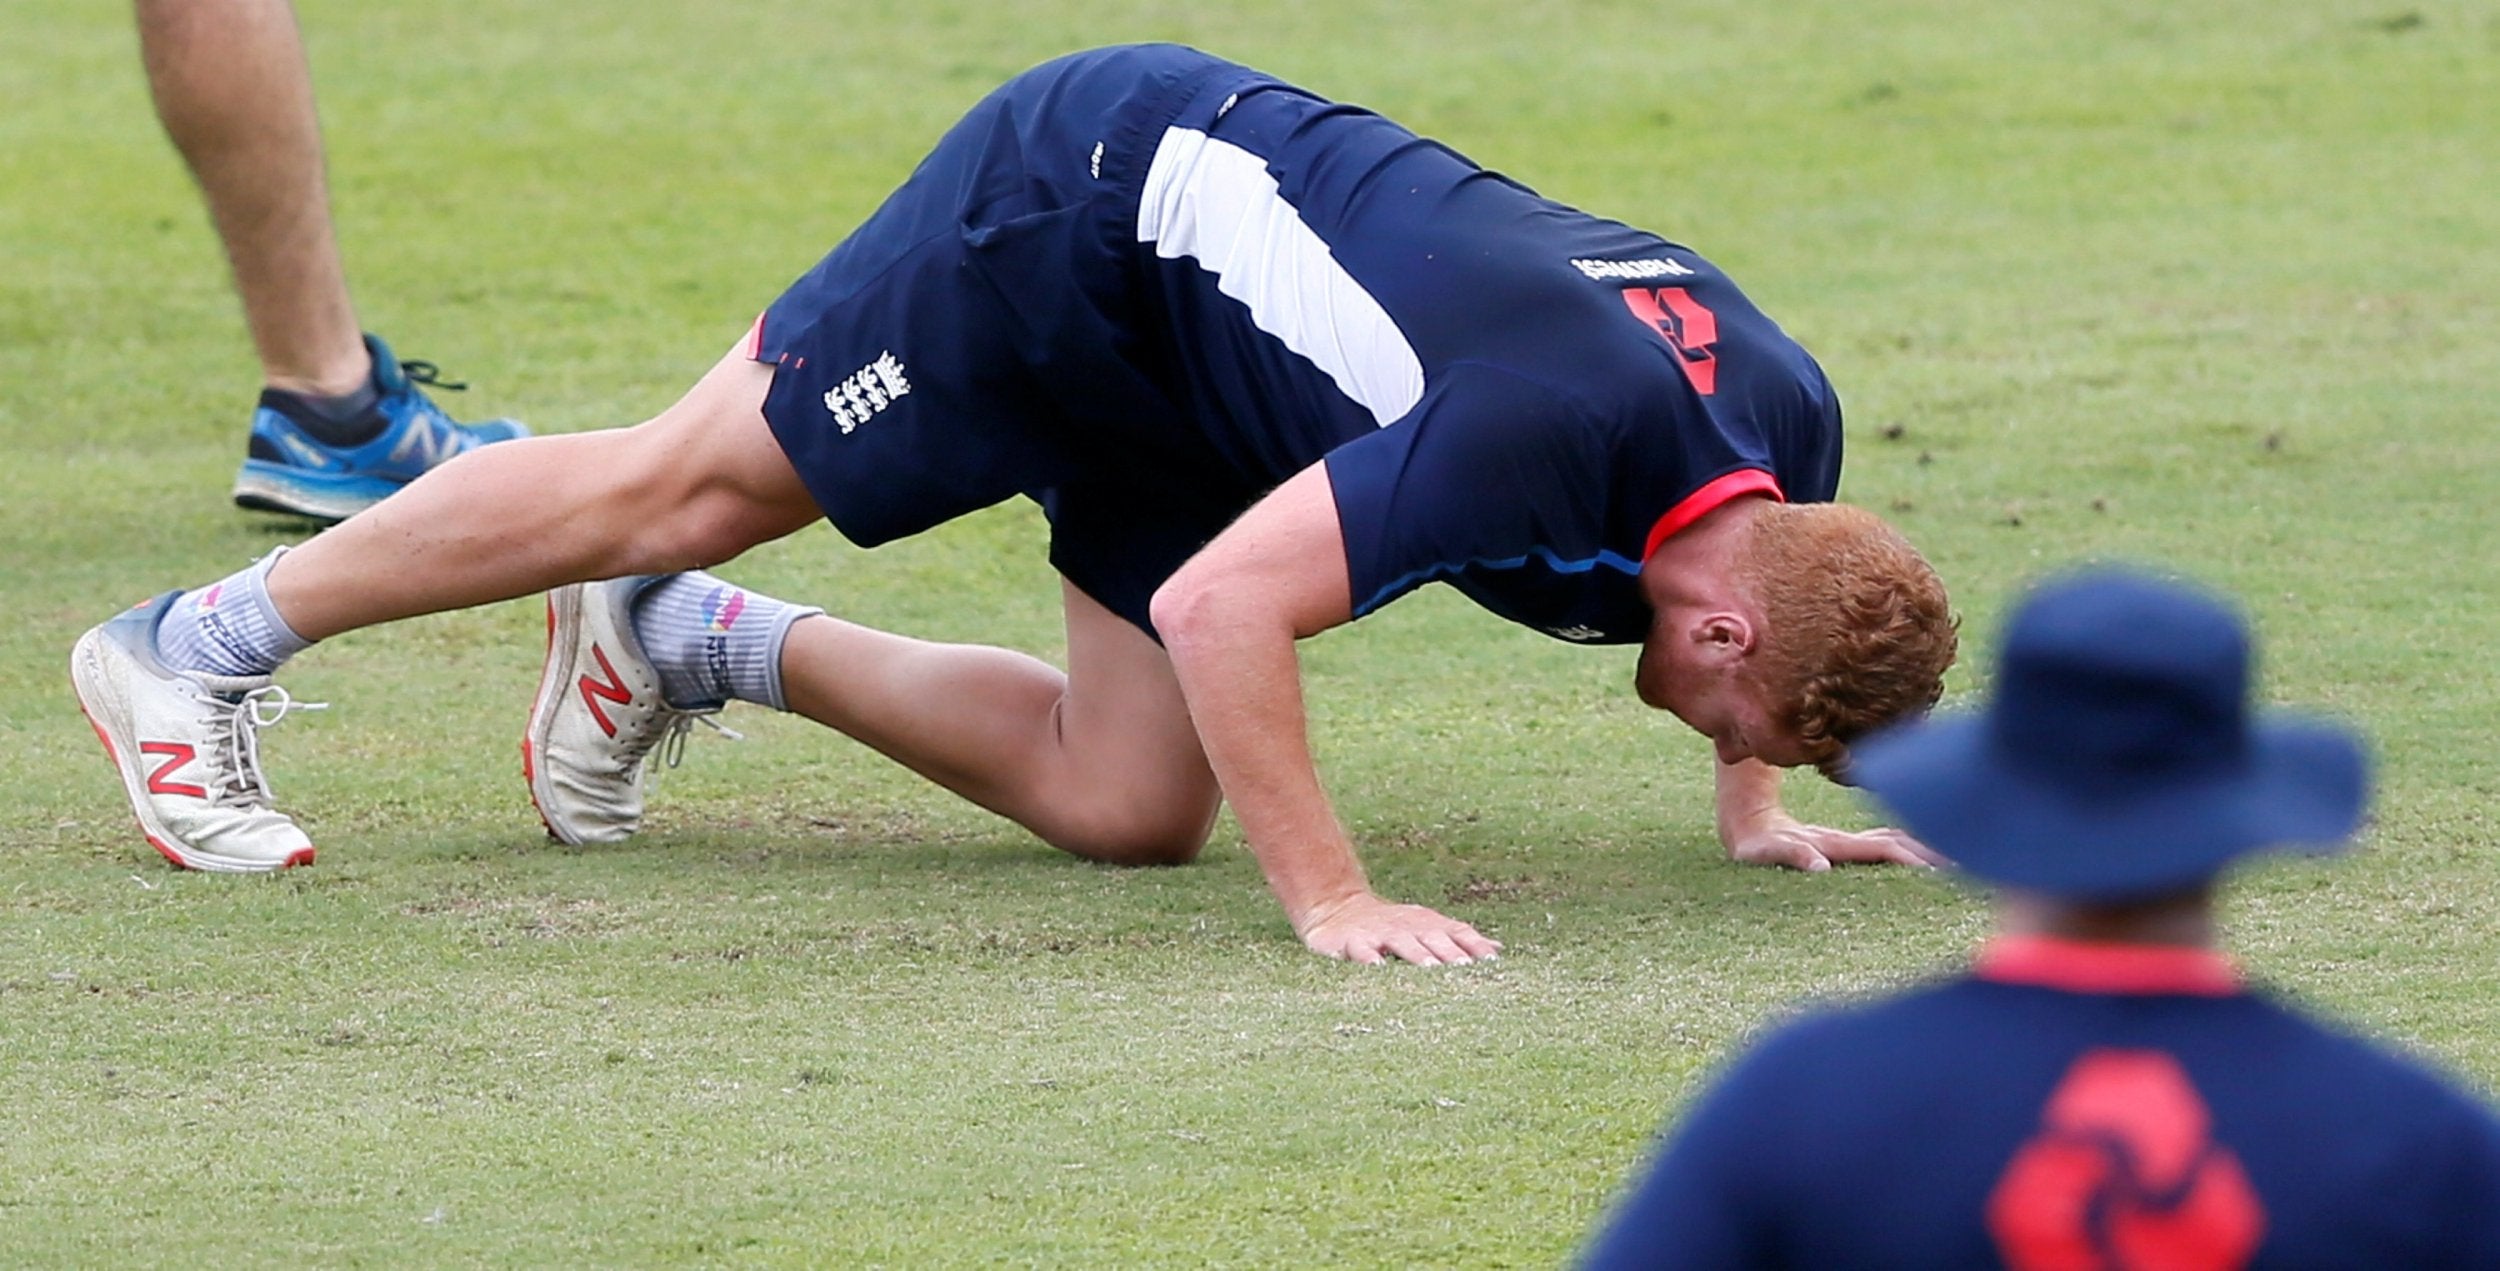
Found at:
<point>670,741</point>
<point>234,767</point>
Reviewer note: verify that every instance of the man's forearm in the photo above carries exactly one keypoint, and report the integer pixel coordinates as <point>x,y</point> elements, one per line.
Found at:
<point>1243,680</point>
<point>1229,619</point>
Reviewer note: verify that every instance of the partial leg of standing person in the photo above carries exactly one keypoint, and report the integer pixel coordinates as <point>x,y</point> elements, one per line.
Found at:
<point>341,422</point>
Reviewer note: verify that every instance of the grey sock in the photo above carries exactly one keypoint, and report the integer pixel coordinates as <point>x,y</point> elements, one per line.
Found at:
<point>713,641</point>
<point>229,627</point>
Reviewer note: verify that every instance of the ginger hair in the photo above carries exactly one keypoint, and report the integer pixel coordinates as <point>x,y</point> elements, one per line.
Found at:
<point>1858,631</point>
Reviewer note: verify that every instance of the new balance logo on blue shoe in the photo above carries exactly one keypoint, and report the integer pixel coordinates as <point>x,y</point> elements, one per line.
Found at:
<point>289,469</point>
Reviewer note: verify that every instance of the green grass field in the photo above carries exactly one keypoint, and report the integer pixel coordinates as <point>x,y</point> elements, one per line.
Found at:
<point>2210,285</point>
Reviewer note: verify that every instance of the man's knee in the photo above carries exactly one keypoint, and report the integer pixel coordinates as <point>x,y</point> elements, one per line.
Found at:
<point>1130,834</point>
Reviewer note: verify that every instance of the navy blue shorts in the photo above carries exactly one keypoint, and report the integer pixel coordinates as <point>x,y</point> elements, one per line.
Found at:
<point>948,354</point>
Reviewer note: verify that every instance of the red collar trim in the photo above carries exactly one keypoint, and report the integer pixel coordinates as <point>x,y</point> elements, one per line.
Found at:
<point>2079,966</point>
<point>1708,499</point>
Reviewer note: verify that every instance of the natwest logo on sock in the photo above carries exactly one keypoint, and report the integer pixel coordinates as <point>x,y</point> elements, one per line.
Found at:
<point>722,607</point>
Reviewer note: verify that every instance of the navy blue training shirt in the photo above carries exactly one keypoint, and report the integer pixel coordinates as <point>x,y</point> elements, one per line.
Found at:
<point>2070,1106</point>
<point>1512,396</point>
<point>1143,286</point>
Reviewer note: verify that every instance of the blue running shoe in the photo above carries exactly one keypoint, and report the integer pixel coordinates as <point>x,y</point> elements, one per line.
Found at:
<point>290,470</point>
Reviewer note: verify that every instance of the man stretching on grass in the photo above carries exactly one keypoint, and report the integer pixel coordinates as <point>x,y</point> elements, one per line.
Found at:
<point>1266,363</point>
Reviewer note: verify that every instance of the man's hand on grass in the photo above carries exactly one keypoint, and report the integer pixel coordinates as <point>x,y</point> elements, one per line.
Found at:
<point>1365,928</point>
<point>1814,848</point>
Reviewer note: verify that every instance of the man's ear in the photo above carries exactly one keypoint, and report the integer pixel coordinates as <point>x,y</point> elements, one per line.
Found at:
<point>1724,635</point>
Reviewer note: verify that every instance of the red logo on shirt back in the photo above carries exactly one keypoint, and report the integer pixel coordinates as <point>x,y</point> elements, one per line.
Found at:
<point>2124,1174</point>
<point>1687,327</point>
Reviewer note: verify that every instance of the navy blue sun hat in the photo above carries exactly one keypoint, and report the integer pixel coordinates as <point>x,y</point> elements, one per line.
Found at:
<point>2119,758</point>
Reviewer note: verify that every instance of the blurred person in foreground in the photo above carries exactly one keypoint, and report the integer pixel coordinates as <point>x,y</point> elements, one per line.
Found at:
<point>2103,1090</point>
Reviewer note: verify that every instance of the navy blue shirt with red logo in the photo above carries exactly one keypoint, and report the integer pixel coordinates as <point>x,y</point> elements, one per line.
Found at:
<point>1144,286</point>
<point>1511,396</point>
<point>2071,1106</point>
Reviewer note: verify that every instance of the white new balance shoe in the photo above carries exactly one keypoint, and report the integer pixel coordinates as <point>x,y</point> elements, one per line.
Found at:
<point>599,716</point>
<point>188,747</point>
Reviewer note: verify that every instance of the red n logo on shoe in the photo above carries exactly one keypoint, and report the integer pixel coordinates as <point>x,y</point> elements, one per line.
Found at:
<point>176,754</point>
<point>2125,1174</point>
<point>613,689</point>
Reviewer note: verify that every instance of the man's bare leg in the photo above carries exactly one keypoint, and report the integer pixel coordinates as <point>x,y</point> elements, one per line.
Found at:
<point>178,687</point>
<point>697,485</point>
<point>1101,761</point>
<point>235,95</point>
